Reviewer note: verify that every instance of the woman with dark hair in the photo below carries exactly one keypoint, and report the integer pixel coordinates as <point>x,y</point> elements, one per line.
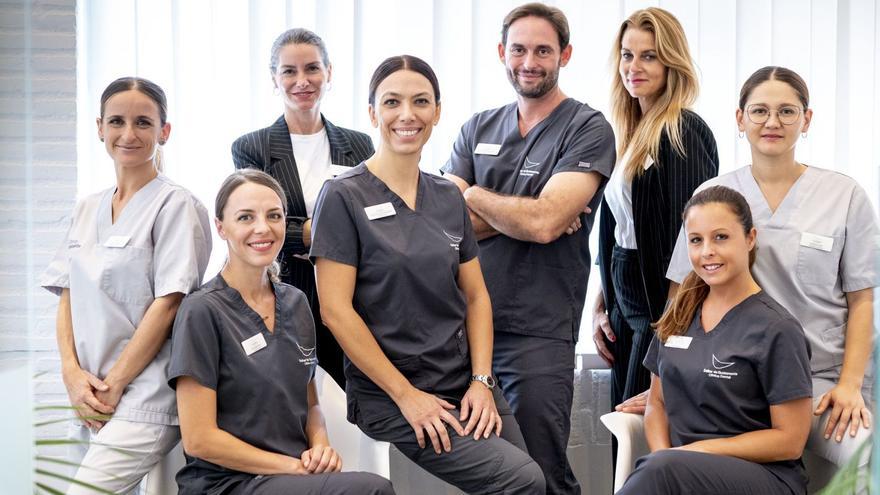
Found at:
<point>665,151</point>
<point>301,150</point>
<point>131,254</point>
<point>816,255</point>
<point>243,365</point>
<point>401,289</point>
<point>729,404</point>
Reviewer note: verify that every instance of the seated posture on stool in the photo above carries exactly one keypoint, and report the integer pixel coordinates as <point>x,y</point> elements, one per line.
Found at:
<point>729,404</point>
<point>243,361</point>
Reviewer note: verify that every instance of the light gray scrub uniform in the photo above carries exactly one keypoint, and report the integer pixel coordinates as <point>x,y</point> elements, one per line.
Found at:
<point>262,397</point>
<point>159,245</point>
<point>537,290</point>
<point>407,293</point>
<point>819,244</point>
<point>720,386</point>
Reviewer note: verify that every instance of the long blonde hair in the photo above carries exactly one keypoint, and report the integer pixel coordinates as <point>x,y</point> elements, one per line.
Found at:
<point>640,134</point>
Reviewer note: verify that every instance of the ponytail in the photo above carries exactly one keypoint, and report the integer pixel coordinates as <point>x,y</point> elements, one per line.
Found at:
<point>680,313</point>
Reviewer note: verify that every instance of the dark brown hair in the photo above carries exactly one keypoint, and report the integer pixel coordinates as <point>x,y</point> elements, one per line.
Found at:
<point>402,62</point>
<point>775,73</point>
<point>693,291</point>
<point>551,14</point>
<point>145,86</point>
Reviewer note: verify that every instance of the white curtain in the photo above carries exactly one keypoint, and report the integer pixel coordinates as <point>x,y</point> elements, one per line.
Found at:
<point>211,56</point>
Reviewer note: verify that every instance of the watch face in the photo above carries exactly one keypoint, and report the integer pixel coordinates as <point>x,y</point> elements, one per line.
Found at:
<point>490,382</point>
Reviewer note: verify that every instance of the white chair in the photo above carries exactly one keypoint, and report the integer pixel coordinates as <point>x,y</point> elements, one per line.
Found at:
<point>359,452</point>
<point>629,429</point>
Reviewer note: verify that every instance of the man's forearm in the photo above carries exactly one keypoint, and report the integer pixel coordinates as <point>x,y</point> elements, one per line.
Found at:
<point>514,216</point>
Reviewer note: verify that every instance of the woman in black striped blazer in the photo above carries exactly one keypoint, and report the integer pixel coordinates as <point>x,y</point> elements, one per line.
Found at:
<point>664,152</point>
<point>301,150</point>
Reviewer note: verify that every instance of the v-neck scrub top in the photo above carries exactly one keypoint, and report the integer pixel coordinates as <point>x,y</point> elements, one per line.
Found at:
<point>536,289</point>
<point>819,244</point>
<point>724,383</point>
<point>406,289</point>
<point>262,397</point>
<point>159,245</point>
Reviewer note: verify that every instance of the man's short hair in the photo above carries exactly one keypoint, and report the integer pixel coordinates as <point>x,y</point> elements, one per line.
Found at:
<point>553,15</point>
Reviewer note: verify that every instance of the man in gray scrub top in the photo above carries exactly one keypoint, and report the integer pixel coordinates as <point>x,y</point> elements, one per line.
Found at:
<point>527,171</point>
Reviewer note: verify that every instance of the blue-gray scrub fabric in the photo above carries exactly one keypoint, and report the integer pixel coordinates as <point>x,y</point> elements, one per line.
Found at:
<point>724,383</point>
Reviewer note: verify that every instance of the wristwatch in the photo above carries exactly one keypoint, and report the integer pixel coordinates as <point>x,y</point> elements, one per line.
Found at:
<point>486,380</point>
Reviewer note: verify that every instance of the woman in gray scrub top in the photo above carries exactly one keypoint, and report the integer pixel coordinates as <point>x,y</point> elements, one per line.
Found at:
<point>817,255</point>
<point>402,291</point>
<point>664,152</point>
<point>243,360</point>
<point>729,404</point>
<point>131,254</point>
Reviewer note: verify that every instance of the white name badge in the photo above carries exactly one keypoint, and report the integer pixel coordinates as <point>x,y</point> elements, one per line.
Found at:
<point>117,241</point>
<point>338,169</point>
<point>487,149</point>
<point>679,341</point>
<point>380,211</point>
<point>253,344</point>
<point>817,241</point>
<point>648,162</point>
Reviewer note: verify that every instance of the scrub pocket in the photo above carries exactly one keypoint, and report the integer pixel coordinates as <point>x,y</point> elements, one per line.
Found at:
<point>831,353</point>
<point>818,267</point>
<point>126,275</point>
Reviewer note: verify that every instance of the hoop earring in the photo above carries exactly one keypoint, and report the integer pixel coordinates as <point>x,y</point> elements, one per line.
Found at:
<point>276,91</point>
<point>804,135</point>
<point>742,134</point>
<point>162,142</point>
<point>102,139</point>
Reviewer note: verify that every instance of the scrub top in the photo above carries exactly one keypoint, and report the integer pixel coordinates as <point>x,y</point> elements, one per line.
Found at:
<point>260,377</point>
<point>724,382</point>
<point>159,245</point>
<point>536,289</point>
<point>820,243</point>
<point>406,289</point>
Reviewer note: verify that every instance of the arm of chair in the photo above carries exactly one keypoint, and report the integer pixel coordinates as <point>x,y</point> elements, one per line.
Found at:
<point>629,430</point>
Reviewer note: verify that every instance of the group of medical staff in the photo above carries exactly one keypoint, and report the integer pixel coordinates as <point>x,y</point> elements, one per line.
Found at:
<point>448,306</point>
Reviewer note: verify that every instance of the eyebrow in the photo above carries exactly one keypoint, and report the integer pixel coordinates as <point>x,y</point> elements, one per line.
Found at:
<point>398,95</point>
<point>115,116</point>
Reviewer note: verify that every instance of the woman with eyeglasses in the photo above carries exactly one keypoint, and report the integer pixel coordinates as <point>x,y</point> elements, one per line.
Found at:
<point>816,255</point>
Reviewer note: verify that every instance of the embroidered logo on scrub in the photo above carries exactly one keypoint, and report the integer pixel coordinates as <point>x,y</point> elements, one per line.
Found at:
<point>718,369</point>
<point>308,355</point>
<point>529,168</point>
<point>456,240</point>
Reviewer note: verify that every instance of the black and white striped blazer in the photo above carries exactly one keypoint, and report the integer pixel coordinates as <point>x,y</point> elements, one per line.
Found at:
<point>658,197</point>
<point>270,150</point>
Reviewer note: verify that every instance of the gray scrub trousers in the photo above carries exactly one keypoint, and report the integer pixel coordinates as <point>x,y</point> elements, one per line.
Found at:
<point>537,290</point>
<point>261,396</point>
<point>406,291</point>
<point>722,385</point>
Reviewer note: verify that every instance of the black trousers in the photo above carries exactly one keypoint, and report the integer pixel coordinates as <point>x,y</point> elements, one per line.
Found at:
<point>631,322</point>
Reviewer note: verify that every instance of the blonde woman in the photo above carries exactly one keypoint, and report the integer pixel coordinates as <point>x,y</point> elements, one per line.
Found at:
<point>664,152</point>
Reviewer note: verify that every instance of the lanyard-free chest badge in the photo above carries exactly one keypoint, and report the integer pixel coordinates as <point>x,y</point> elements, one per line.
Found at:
<point>487,149</point>
<point>380,211</point>
<point>117,241</point>
<point>678,341</point>
<point>253,344</point>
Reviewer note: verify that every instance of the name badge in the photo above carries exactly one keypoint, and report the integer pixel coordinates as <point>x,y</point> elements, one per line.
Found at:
<point>817,241</point>
<point>380,211</point>
<point>679,341</point>
<point>117,241</point>
<point>487,149</point>
<point>253,344</point>
<point>648,162</point>
<point>338,169</point>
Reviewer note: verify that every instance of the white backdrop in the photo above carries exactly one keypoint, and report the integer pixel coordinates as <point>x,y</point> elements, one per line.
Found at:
<point>211,57</point>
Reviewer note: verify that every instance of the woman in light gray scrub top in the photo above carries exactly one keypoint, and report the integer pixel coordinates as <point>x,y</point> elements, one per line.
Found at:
<point>816,251</point>
<point>243,362</point>
<point>401,289</point>
<point>131,254</point>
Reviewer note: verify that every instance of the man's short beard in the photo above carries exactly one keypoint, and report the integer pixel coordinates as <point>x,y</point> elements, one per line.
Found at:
<point>551,79</point>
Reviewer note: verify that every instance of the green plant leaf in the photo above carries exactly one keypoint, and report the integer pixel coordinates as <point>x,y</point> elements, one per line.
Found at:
<point>72,480</point>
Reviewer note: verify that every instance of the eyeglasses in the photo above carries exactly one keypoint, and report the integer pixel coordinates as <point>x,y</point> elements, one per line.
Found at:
<point>760,114</point>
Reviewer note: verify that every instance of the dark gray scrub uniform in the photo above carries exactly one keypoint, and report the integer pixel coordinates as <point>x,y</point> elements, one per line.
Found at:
<point>721,386</point>
<point>407,293</point>
<point>261,397</point>
<point>537,290</point>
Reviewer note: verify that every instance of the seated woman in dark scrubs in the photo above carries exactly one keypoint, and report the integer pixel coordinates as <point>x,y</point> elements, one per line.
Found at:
<point>729,405</point>
<point>243,360</point>
<point>402,291</point>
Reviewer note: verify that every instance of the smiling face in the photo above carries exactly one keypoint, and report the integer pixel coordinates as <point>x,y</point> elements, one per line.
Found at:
<point>718,246</point>
<point>131,129</point>
<point>532,56</point>
<point>405,111</point>
<point>776,101</point>
<point>253,225</point>
<point>301,77</point>
<point>641,72</point>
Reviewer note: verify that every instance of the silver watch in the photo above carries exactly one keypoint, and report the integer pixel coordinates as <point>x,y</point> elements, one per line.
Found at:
<point>486,380</point>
